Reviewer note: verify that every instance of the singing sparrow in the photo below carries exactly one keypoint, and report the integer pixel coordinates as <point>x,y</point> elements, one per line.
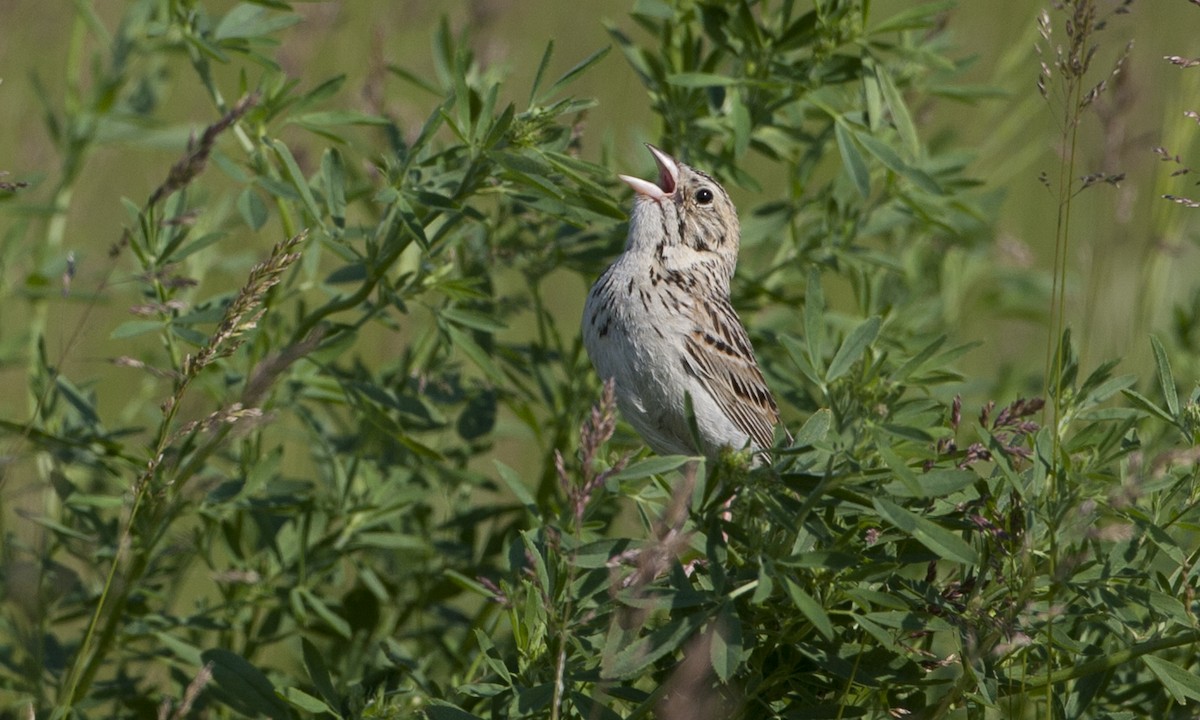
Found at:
<point>659,321</point>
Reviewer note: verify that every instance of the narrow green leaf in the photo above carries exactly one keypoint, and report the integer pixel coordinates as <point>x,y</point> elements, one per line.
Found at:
<point>893,162</point>
<point>133,328</point>
<point>296,178</point>
<point>60,529</point>
<point>304,702</point>
<point>489,656</point>
<point>739,123</point>
<point>318,672</point>
<point>469,584</point>
<point>882,636</point>
<point>333,118</point>
<point>914,17</point>
<point>700,80</point>
<point>471,319</point>
<point>534,554</point>
<point>333,174</point>
<point>442,710</point>
<point>652,466</point>
<point>81,500</point>
<point>326,613</point>
<point>941,541</point>
<point>1182,684</point>
<point>814,430</point>
<point>516,486</point>
<point>852,348</point>
<point>181,649</point>
<point>632,658</point>
<point>247,20</point>
<point>252,208</point>
<point>798,353</point>
<point>242,686</point>
<point>852,159</point>
<point>416,80</point>
<point>1164,542</point>
<point>725,644</point>
<point>581,67</point>
<point>78,400</point>
<point>900,116</point>
<point>541,71</point>
<point>1146,404</point>
<point>1166,379</point>
<point>872,97</point>
<point>916,361</point>
<point>814,318</point>
<point>810,608</point>
<point>906,476</point>
<point>476,354</point>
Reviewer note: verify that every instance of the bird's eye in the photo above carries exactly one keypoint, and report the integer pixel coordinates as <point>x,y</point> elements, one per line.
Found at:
<point>704,196</point>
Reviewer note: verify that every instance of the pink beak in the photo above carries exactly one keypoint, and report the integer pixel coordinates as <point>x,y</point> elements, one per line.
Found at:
<point>668,177</point>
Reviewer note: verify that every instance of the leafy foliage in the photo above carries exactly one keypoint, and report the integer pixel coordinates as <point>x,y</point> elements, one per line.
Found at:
<point>286,520</point>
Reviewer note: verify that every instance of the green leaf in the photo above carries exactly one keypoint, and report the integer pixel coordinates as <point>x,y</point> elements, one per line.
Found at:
<point>915,362</point>
<point>798,353</point>
<point>893,162</point>
<point>248,20</point>
<point>469,584</point>
<point>516,486</point>
<point>906,476</point>
<point>725,643</point>
<point>629,659</point>
<point>1148,405</point>
<point>336,622</point>
<point>490,656</point>
<point>318,672</point>
<point>579,68</point>
<point>700,80</point>
<point>304,702</point>
<point>333,172</point>
<point>442,710</point>
<point>474,320</point>
<point>814,430</point>
<point>252,208</point>
<point>872,97</point>
<point>810,608</point>
<point>181,649</point>
<point>1166,379</point>
<point>852,348</point>
<point>330,118</point>
<point>652,466</point>
<point>941,541</point>
<point>1182,684</point>
<point>814,318</point>
<point>852,159</point>
<point>913,18</point>
<point>900,117</point>
<point>296,178</point>
<point>242,686</point>
<point>541,71</point>
<point>476,354</point>
<point>133,328</point>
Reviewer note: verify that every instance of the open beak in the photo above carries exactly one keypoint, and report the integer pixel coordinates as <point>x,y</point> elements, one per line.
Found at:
<point>668,177</point>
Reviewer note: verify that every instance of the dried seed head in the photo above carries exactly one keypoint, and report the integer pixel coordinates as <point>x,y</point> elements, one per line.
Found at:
<point>244,312</point>
<point>194,160</point>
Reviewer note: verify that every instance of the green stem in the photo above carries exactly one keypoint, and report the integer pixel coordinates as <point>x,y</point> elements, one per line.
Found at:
<point>1109,661</point>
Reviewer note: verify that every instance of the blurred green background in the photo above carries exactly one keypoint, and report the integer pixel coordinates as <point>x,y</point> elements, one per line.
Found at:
<point>1132,255</point>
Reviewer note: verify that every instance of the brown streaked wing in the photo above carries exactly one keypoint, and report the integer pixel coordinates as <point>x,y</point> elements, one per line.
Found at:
<point>721,354</point>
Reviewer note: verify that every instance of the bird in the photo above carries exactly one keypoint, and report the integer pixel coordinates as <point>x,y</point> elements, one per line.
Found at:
<point>659,322</point>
